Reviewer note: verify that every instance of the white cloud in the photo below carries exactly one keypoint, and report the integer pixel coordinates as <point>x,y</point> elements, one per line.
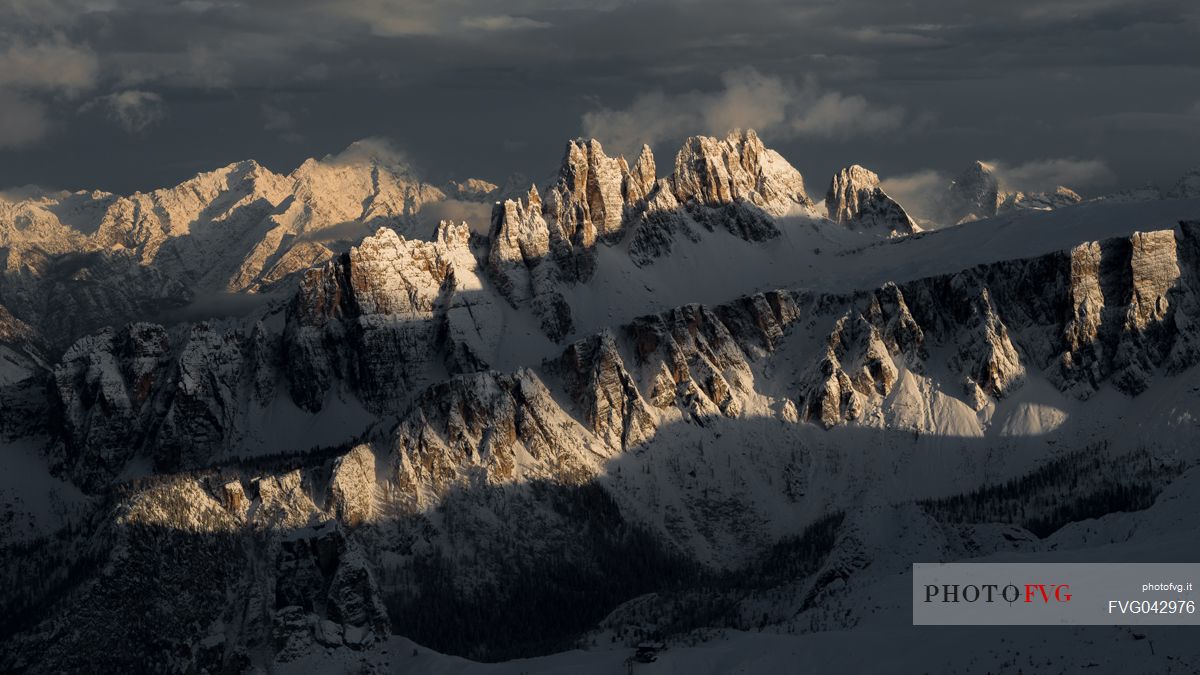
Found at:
<point>388,18</point>
<point>134,110</point>
<point>1047,174</point>
<point>920,192</point>
<point>477,216</point>
<point>31,73</point>
<point>22,121</point>
<point>19,193</point>
<point>833,115</point>
<point>883,37</point>
<point>376,150</point>
<point>502,22</point>
<point>773,106</point>
<point>917,192</point>
<point>49,66</point>
<point>281,122</point>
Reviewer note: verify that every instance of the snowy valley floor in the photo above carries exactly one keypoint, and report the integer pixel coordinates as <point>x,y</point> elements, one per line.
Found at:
<point>884,641</point>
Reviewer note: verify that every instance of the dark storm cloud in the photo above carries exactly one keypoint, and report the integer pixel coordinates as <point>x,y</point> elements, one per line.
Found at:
<point>479,87</point>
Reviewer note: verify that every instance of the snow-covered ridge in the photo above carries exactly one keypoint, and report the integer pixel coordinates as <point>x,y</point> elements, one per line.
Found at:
<point>372,330</point>
<point>631,371</point>
<point>913,380</point>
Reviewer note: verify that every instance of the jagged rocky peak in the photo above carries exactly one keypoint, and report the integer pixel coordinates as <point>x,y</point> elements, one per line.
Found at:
<point>641,178</point>
<point>597,380</point>
<point>368,182</point>
<point>715,172</point>
<point>519,240</point>
<point>973,194</point>
<point>856,200</point>
<point>395,276</point>
<point>1124,296</point>
<point>593,190</point>
<point>381,318</point>
<point>1188,186</point>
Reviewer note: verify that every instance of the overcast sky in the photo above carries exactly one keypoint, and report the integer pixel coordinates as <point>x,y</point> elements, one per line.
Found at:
<point>138,94</point>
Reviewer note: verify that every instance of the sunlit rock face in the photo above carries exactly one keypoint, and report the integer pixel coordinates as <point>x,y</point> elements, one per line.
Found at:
<point>714,172</point>
<point>383,319</point>
<point>589,199</point>
<point>83,260</point>
<point>1122,321</point>
<point>541,244</point>
<point>856,200</point>
<point>427,427</point>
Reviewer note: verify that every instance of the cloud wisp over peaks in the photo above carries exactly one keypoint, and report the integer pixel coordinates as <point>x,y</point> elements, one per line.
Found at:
<point>133,110</point>
<point>777,107</point>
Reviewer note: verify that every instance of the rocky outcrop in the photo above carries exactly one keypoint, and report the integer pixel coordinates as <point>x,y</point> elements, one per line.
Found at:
<point>608,397</point>
<point>373,320</point>
<point>1121,299</point>
<point>861,360</point>
<point>528,260</point>
<point>698,359</point>
<point>105,386</point>
<point>642,176</point>
<point>986,358</point>
<point>485,428</point>
<point>735,184</point>
<point>352,486</point>
<point>589,199</point>
<point>856,200</point>
<point>716,173</point>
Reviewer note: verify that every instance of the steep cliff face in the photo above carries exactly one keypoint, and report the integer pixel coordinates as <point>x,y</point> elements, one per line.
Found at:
<point>856,200</point>
<point>382,320</point>
<point>255,565</point>
<point>181,400</point>
<point>529,260</point>
<point>739,168</point>
<point>1122,322</point>
<point>605,392</point>
<point>589,199</point>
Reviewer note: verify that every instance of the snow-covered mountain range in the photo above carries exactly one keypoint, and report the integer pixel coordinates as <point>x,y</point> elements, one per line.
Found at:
<point>266,422</point>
